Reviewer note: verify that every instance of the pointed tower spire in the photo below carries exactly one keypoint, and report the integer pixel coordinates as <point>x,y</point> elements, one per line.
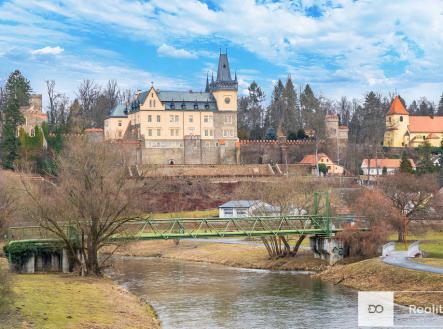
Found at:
<point>212,77</point>
<point>235,77</point>
<point>223,71</point>
<point>207,82</point>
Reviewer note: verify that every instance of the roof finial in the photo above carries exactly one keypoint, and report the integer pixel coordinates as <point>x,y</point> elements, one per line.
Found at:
<point>152,84</point>
<point>212,77</point>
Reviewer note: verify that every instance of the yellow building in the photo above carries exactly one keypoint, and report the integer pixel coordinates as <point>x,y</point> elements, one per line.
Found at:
<point>182,127</point>
<point>404,130</point>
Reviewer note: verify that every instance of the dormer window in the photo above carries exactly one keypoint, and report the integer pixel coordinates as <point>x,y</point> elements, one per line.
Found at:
<point>206,106</point>
<point>183,106</point>
<point>195,106</point>
<point>172,106</point>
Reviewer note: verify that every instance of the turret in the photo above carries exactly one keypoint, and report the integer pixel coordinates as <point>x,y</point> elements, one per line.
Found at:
<point>224,88</point>
<point>397,121</point>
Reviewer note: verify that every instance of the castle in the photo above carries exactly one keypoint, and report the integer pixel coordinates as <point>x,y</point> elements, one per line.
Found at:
<point>182,127</point>
<point>33,114</point>
<point>404,130</point>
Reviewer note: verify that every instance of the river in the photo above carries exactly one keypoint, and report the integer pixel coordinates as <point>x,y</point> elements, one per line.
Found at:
<point>199,295</point>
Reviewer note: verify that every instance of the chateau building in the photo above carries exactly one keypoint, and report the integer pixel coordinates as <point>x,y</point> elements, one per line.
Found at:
<point>182,127</point>
<point>404,130</point>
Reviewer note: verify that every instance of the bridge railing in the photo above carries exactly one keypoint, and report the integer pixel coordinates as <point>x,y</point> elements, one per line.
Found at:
<point>140,228</point>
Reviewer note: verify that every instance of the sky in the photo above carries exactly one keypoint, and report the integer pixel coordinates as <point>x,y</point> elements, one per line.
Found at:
<point>340,47</point>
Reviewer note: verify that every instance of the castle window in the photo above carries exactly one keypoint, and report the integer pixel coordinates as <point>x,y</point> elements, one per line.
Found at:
<point>172,106</point>
<point>176,118</point>
<point>149,118</point>
<point>424,137</point>
<point>401,118</point>
<point>195,106</point>
<point>159,132</point>
<point>158,118</point>
<point>149,132</point>
<point>228,118</point>
<point>119,123</point>
<point>183,106</point>
<point>191,119</point>
<point>206,106</point>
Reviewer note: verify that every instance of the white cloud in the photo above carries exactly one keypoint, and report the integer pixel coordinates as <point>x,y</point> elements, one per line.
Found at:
<point>48,51</point>
<point>169,51</point>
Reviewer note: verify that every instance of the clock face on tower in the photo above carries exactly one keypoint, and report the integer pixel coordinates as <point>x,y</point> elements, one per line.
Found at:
<point>227,100</point>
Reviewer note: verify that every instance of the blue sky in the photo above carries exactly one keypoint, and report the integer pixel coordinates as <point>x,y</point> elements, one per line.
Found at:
<point>342,47</point>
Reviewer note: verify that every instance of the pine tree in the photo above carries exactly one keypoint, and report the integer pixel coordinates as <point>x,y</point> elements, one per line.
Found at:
<point>276,108</point>
<point>17,89</point>
<point>309,105</point>
<point>405,164</point>
<point>291,111</point>
<point>425,164</point>
<point>440,106</point>
<point>413,108</point>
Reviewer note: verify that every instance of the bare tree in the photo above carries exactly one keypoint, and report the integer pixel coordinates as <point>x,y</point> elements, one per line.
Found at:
<point>8,201</point>
<point>409,194</point>
<point>293,196</point>
<point>92,197</point>
<point>88,93</point>
<point>111,94</point>
<point>58,109</point>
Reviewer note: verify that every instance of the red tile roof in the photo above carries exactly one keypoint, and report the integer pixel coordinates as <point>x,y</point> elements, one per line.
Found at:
<point>426,124</point>
<point>388,163</point>
<point>310,159</point>
<point>397,107</point>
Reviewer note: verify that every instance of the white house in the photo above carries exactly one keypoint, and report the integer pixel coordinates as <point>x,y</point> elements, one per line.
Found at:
<point>375,166</point>
<point>246,208</point>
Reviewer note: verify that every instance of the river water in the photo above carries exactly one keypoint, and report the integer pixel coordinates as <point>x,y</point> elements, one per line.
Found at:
<point>199,295</point>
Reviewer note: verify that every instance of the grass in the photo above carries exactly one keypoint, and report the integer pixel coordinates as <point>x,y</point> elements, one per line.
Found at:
<point>431,243</point>
<point>430,261</point>
<point>374,275</point>
<point>187,214</point>
<point>68,301</point>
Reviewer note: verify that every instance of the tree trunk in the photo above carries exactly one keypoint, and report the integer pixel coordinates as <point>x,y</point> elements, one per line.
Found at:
<point>298,244</point>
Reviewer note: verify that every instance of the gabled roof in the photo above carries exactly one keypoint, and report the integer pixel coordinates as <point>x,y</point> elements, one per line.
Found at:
<point>426,124</point>
<point>239,203</point>
<point>310,159</point>
<point>388,163</point>
<point>397,107</point>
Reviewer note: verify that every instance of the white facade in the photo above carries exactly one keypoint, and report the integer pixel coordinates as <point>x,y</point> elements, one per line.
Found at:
<point>246,208</point>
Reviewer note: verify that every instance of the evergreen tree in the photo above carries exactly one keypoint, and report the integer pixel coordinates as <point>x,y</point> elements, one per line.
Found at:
<point>405,164</point>
<point>425,164</point>
<point>274,117</point>
<point>309,105</point>
<point>291,111</point>
<point>413,108</point>
<point>17,91</point>
<point>425,107</point>
<point>440,106</point>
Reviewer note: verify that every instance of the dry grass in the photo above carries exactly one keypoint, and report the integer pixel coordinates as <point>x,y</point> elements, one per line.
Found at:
<point>68,301</point>
<point>429,261</point>
<point>236,255</point>
<point>375,275</point>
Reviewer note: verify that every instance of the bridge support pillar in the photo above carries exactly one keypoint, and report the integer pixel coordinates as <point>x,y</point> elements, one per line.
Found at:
<point>65,261</point>
<point>29,266</point>
<point>330,249</point>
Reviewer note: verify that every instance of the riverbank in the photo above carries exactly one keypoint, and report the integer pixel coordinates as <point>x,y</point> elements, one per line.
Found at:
<point>252,256</point>
<point>423,289</point>
<point>69,301</point>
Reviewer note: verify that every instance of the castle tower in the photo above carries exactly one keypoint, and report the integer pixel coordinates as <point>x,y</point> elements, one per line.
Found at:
<point>397,121</point>
<point>224,88</point>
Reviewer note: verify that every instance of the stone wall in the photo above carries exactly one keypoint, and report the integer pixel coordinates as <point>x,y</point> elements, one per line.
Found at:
<point>282,151</point>
<point>205,170</point>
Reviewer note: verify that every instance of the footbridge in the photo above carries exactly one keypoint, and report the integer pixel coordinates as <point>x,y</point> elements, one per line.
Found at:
<point>45,251</point>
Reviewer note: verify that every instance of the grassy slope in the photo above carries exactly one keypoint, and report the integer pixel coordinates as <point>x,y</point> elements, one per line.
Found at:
<point>429,261</point>
<point>373,274</point>
<point>68,301</point>
<point>237,255</point>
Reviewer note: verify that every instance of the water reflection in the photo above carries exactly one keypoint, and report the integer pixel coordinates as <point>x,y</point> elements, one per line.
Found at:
<point>199,295</point>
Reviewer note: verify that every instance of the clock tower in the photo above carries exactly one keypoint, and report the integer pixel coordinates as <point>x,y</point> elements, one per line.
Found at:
<point>224,88</point>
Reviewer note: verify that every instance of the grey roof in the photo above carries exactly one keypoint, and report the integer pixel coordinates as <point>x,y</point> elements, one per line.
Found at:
<point>118,112</point>
<point>239,204</point>
<point>223,71</point>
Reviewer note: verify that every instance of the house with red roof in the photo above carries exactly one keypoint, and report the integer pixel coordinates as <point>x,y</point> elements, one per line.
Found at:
<point>376,166</point>
<point>322,158</point>
<point>404,130</point>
